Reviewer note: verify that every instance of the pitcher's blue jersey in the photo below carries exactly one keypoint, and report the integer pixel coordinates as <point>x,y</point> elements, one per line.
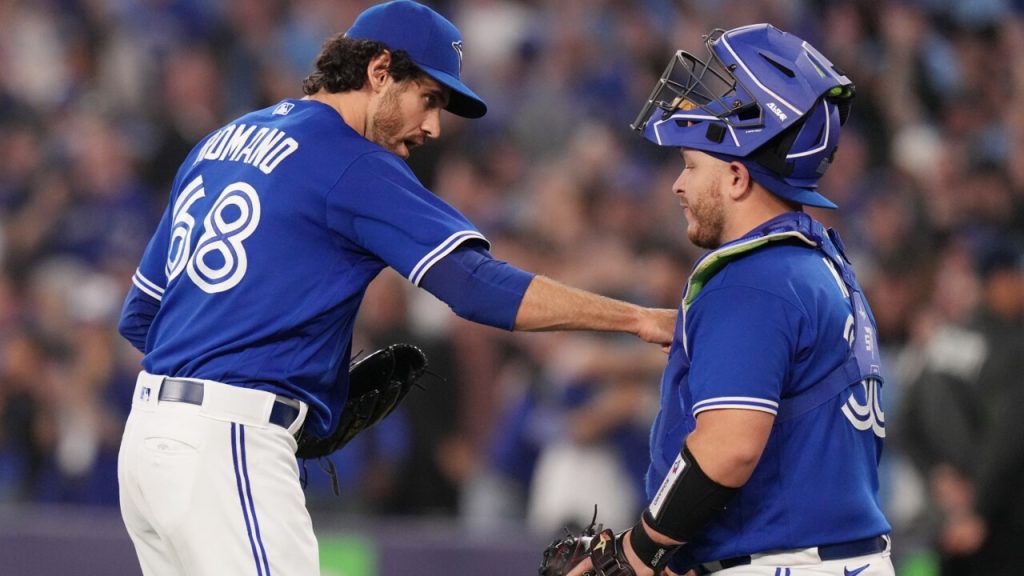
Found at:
<point>276,225</point>
<point>773,323</point>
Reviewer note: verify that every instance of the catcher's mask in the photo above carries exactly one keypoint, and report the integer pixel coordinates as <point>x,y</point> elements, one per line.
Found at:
<point>761,96</point>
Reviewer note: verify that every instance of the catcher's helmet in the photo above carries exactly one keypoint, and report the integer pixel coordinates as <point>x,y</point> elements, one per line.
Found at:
<point>762,96</point>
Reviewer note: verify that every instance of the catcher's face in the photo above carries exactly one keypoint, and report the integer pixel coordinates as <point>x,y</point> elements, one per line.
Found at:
<point>406,114</point>
<point>699,189</point>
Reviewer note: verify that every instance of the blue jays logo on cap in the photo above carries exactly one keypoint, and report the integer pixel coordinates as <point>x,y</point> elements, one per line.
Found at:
<point>458,49</point>
<point>429,39</point>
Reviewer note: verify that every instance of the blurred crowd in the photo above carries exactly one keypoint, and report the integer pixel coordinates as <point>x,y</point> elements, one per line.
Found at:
<point>100,100</point>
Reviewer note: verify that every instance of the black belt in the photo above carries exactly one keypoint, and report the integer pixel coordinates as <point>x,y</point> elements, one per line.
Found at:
<point>191,392</point>
<point>839,551</point>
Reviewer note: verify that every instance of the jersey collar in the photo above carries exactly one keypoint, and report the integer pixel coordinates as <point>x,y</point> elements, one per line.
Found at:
<point>786,226</point>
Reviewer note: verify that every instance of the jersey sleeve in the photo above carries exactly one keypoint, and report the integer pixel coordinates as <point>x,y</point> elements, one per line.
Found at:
<point>379,205</point>
<point>479,287</point>
<point>137,316</point>
<point>151,277</point>
<point>148,284</point>
<point>741,342</point>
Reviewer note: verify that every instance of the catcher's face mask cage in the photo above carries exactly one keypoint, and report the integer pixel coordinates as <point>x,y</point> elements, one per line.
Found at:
<point>700,90</point>
<point>758,93</point>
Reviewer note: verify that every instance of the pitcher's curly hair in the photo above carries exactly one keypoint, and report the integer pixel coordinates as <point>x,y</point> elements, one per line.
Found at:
<point>341,65</point>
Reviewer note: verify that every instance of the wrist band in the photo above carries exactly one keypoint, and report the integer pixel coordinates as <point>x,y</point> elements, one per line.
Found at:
<point>654,555</point>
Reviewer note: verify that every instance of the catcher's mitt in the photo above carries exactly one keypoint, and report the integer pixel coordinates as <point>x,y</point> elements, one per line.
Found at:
<point>600,545</point>
<point>376,385</point>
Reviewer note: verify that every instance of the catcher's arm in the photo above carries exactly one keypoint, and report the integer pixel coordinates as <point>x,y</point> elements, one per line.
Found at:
<point>697,488</point>
<point>688,498</point>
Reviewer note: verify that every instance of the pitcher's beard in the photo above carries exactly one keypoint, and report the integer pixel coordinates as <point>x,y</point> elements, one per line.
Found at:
<point>387,122</point>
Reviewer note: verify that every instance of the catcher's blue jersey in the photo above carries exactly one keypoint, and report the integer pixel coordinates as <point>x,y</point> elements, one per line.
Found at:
<point>276,224</point>
<point>771,322</point>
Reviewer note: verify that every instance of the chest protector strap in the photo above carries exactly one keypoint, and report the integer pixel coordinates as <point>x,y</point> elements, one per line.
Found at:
<point>862,363</point>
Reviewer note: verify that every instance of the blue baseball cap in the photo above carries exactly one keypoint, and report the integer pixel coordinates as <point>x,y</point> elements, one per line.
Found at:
<point>433,43</point>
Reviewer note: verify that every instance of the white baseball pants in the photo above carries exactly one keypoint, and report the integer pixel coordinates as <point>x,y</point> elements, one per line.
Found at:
<point>213,489</point>
<point>806,563</point>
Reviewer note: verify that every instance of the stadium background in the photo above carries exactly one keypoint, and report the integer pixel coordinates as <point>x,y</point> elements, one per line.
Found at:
<point>101,99</point>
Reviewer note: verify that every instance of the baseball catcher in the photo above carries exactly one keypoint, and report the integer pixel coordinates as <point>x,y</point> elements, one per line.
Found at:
<point>767,466</point>
<point>377,383</point>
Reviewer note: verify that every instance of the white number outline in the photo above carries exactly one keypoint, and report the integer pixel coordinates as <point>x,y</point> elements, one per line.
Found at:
<point>181,230</point>
<point>225,238</point>
<point>869,415</point>
<point>219,235</point>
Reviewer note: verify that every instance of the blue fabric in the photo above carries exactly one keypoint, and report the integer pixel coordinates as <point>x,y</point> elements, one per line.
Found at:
<point>276,225</point>
<point>478,287</point>
<point>136,315</point>
<point>771,324</point>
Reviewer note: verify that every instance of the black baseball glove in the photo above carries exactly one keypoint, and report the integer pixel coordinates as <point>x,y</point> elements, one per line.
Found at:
<point>600,545</point>
<point>377,383</point>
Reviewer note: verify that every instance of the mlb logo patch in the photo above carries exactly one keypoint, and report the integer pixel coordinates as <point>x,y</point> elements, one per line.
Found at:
<point>144,394</point>
<point>283,108</point>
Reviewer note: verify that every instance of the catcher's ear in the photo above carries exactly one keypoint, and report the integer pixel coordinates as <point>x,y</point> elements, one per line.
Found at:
<point>738,180</point>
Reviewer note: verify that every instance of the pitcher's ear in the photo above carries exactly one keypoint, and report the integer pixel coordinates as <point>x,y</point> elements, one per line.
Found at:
<point>377,70</point>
